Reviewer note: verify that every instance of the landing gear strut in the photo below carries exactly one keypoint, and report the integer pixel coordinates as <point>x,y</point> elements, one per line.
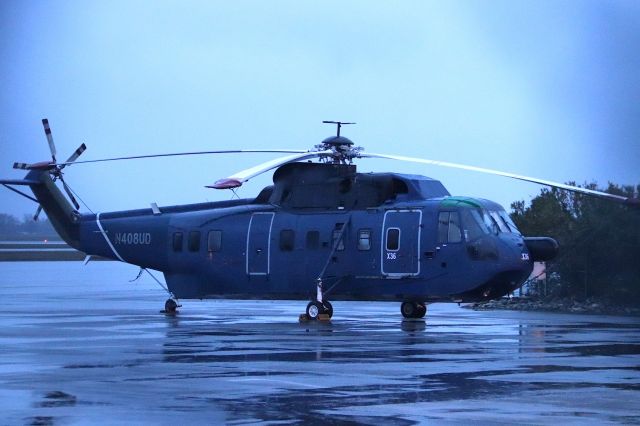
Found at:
<point>320,306</point>
<point>413,309</point>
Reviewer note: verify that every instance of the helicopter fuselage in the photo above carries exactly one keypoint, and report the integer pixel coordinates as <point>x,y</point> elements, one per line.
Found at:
<point>369,237</point>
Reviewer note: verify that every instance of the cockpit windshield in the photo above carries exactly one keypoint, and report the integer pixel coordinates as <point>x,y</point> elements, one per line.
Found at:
<point>512,226</point>
<point>502,225</point>
<point>477,222</point>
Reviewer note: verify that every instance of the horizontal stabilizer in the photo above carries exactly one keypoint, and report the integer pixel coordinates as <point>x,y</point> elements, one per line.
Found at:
<point>24,182</point>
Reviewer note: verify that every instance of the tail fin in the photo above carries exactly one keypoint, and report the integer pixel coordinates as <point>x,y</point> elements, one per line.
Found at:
<point>64,218</point>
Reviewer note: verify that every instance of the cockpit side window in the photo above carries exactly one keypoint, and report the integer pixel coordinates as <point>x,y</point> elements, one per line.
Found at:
<point>449,230</point>
<point>472,224</point>
<point>455,234</point>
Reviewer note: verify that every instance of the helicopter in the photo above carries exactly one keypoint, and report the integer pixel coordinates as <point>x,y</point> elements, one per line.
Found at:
<point>323,231</point>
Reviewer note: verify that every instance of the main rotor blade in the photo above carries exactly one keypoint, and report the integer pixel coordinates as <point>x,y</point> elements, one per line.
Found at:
<point>626,200</point>
<point>241,177</point>
<point>47,131</point>
<point>177,154</point>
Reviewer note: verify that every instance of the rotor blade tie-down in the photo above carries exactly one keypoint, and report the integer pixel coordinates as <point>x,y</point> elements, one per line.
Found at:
<point>137,276</point>
<point>79,198</point>
<point>164,287</point>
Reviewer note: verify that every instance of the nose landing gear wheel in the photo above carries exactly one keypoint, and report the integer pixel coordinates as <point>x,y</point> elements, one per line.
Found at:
<point>413,309</point>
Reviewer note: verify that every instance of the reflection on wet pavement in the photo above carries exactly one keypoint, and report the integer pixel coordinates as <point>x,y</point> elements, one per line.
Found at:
<point>92,348</point>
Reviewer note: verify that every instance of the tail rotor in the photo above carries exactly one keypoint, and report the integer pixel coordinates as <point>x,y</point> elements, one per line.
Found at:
<point>53,167</point>
<point>47,131</point>
<point>38,211</point>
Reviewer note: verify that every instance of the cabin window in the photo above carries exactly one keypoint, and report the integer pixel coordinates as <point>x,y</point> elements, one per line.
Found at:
<point>336,235</point>
<point>194,241</point>
<point>214,240</point>
<point>364,239</point>
<point>313,240</point>
<point>449,230</point>
<point>393,239</point>
<point>287,237</point>
<point>177,241</point>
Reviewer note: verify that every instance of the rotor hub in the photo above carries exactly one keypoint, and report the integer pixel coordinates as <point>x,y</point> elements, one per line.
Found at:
<point>343,150</point>
<point>337,141</point>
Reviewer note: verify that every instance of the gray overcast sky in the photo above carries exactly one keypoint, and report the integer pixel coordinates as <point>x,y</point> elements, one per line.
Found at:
<point>547,88</point>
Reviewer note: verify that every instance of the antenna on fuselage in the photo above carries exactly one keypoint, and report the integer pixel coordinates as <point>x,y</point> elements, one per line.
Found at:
<point>339,123</point>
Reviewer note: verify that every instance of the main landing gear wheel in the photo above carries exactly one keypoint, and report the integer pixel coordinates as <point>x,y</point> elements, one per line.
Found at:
<point>316,308</point>
<point>170,306</point>
<point>413,309</point>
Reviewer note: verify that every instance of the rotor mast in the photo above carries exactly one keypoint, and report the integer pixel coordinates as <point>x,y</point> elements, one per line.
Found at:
<point>338,123</point>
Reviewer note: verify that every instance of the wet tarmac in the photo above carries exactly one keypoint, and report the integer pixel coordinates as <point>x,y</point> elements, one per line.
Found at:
<point>82,345</point>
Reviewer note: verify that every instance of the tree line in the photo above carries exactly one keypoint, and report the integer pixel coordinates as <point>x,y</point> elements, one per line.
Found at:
<point>12,228</point>
<point>599,242</point>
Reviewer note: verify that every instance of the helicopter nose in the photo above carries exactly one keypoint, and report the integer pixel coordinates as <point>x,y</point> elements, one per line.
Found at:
<point>541,249</point>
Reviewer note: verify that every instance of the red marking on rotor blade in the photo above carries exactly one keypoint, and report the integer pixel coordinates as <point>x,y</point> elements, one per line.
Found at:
<point>225,184</point>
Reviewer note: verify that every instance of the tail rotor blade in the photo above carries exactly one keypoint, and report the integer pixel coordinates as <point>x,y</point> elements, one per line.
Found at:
<point>82,148</point>
<point>21,166</point>
<point>47,131</point>
<point>70,194</point>
<point>38,211</point>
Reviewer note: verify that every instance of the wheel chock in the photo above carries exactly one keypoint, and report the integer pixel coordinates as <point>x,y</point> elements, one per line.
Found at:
<point>321,317</point>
